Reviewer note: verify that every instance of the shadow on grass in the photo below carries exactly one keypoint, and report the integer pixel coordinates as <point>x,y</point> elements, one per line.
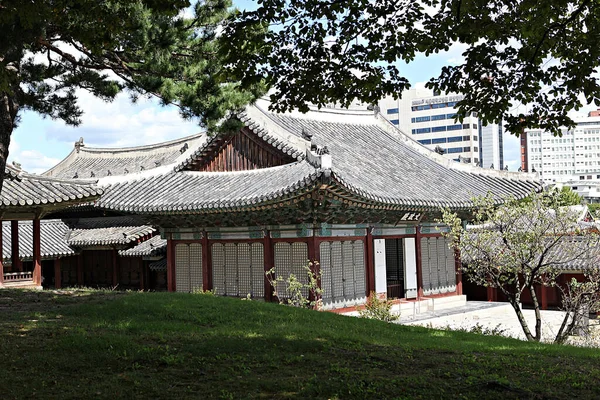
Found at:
<point>153,344</point>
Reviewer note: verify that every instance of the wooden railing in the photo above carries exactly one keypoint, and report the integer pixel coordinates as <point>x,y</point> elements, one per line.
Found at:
<point>18,276</point>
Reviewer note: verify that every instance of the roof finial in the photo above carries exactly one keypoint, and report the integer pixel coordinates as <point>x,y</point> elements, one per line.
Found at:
<point>183,148</point>
<point>16,165</point>
<point>76,175</point>
<point>109,173</point>
<point>79,144</point>
<point>306,135</point>
<point>92,174</point>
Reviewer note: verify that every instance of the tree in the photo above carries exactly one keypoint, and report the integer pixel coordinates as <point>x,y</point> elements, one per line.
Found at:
<point>540,54</point>
<point>567,197</point>
<point>519,245</point>
<point>50,48</point>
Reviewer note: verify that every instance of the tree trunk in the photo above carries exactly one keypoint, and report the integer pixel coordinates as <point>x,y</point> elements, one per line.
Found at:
<point>538,315</point>
<point>516,306</point>
<point>9,109</point>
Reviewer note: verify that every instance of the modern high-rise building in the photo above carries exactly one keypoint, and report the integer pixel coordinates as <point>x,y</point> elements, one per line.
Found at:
<point>571,158</point>
<point>431,119</point>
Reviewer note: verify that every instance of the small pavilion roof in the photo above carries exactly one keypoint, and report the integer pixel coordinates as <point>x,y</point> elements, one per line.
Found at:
<point>370,159</point>
<point>53,243</point>
<point>25,195</point>
<point>155,246</point>
<point>106,231</point>
<point>88,162</point>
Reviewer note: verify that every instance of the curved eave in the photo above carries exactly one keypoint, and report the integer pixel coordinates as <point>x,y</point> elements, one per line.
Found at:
<point>301,186</point>
<point>370,200</point>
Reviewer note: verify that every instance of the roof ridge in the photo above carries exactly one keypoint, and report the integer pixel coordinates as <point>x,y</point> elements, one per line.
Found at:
<point>153,146</point>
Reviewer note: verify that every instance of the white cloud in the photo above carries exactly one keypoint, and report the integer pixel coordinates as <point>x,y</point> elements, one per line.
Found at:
<point>123,124</point>
<point>32,161</point>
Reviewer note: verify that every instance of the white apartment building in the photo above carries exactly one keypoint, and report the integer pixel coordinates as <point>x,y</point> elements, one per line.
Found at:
<point>574,157</point>
<point>431,120</point>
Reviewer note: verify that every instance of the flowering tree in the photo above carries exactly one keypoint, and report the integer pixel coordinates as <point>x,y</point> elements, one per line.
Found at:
<point>519,245</point>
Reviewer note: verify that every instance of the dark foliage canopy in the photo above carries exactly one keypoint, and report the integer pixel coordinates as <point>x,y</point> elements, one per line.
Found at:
<point>541,54</point>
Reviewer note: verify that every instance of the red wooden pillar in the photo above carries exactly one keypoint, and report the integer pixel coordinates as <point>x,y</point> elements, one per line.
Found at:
<point>57,274</point>
<point>14,240</point>
<point>80,269</point>
<point>207,282</point>
<point>457,267</point>
<point>419,262</point>
<point>170,265</point>
<point>370,262</point>
<point>491,294</point>
<point>37,254</point>
<point>269,264</point>
<point>115,270</point>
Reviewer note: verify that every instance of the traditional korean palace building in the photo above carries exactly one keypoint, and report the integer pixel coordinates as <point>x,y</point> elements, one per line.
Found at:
<point>344,188</point>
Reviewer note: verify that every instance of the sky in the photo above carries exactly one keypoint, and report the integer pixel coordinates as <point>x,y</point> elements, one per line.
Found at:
<point>38,144</point>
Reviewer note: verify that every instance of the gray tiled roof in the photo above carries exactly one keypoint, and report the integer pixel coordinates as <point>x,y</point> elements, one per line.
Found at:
<point>23,189</point>
<point>85,162</point>
<point>116,235</point>
<point>383,165</point>
<point>155,246</point>
<point>190,190</point>
<point>53,239</point>
<point>370,159</point>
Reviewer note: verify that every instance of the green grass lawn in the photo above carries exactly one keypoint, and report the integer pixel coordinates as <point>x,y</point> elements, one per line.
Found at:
<point>174,345</point>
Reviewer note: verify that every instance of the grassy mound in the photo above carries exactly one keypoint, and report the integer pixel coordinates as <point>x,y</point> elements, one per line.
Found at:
<point>84,344</point>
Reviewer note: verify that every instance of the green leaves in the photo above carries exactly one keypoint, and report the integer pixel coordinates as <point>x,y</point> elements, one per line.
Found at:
<point>144,46</point>
<point>541,55</point>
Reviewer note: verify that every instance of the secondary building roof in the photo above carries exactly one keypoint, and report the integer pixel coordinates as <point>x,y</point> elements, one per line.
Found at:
<point>25,196</point>
<point>88,162</point>
<point>53,243</point>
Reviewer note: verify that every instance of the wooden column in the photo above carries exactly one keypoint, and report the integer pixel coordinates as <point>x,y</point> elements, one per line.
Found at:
<point>207,282</point>
<point>419,262</point>
<point>1,257</point>
<point>14,248</point>
<point>491,294</point>
<point>457,267</point>
<point>544,297</point>
<point>370,262</point>
<point>170,265</point>
<point>37,254</point>
<point>80,269</point>
<point>115,269</point>
<point>57,274</point>
<point>269,264</point>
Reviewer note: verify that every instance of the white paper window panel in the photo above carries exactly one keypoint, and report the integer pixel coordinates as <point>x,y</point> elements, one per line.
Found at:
<point>291,258</point>
<point>188,267</point>
<point>437,265</point>
<point>238,269</point>
<point>343,272</point>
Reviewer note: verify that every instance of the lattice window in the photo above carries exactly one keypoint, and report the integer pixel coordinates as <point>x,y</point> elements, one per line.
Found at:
<point>195,266</point>
<point>437,262</point>
<point>182,267</point>
<point>188,267</point>
<point>291,258</point>
<point>238,269</point>
<point>343,272</point>
<point>218,267</point>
